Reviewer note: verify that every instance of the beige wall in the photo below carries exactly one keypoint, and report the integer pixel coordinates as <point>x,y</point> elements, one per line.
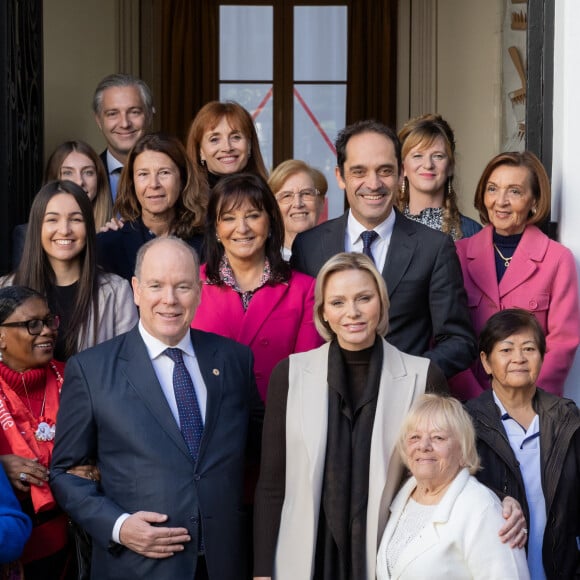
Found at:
<point>466,38</point>
<point>79,49</point>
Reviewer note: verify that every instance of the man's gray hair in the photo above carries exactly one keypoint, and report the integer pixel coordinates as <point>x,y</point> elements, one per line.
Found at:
<point>124,80</point>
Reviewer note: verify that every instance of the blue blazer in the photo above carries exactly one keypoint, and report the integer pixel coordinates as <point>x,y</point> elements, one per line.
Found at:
<point>113,411</point>
<point>15,526</point>
<point>117,249</point>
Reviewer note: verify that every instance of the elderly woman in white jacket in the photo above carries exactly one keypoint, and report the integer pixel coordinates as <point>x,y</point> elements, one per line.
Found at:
<point>444,523</point>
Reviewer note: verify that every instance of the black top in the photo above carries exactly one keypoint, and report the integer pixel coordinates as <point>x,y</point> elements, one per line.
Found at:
<point>61,301</point>
<point>352,405</point>
<point>117,250</point>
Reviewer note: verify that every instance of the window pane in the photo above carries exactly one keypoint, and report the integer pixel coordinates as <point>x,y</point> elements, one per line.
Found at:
<point>246,43</point>
<point>319,114</point>
<point>258,100</point>
<point>320,34</point>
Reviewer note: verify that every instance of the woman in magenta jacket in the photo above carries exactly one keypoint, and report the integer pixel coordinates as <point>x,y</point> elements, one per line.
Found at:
<point>511,263</point>
<point>249,292</point>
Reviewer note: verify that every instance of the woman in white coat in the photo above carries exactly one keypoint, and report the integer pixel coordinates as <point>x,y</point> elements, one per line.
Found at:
<point>444,523</point>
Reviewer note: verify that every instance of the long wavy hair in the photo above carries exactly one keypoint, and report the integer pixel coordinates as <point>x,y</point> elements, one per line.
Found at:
<point>35,270</point>
<point>230,193</point>
<point>103,202</point>
<point>189,207</point>
<point>422,132</point>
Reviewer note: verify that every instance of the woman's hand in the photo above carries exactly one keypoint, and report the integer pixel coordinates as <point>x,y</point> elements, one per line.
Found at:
<point>113,224</point>
<point>514,530</point>
<point>86,471</point>
<point>23,472</point>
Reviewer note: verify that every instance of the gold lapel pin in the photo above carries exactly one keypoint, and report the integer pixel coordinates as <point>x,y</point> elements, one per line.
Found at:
<point>216,372</point>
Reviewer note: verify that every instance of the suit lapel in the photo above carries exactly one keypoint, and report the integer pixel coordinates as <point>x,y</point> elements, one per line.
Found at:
<point>263,303</point>
<point>481,264</point>
<point>333,236</point>
<point>212,365</point>
<point>402,247</point>
<point>531,249</point>
<point>430,535</point>
<point>141,377</point>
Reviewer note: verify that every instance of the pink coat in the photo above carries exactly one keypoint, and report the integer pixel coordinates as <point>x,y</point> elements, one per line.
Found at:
<point>542,279</point>
<point>278,321</point>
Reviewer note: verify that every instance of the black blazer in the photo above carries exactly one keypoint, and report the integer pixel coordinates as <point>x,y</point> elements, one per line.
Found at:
<point>117,249</point>
<point>113,411</point>
<point>428,314</point>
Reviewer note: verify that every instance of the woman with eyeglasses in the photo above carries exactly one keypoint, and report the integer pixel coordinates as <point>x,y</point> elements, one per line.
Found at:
<point>30,384</point>
<point>59,261</point>
<point>300,190</point>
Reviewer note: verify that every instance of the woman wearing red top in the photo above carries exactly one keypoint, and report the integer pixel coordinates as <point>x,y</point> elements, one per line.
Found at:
<point>30,384</point>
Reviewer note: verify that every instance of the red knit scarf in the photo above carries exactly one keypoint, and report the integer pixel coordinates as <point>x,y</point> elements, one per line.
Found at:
<point>19,418</point>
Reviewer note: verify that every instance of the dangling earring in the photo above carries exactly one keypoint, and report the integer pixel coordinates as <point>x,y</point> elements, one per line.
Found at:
<point>404,186</point>
<point>534,210</point>
<point>219,241</point>
<point>449,187</point>
<point>202,161</point>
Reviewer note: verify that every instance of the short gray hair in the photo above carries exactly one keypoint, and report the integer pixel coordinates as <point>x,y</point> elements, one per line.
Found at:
<point>444,413</point>
<point>178,241</point>
<point>124,80</point>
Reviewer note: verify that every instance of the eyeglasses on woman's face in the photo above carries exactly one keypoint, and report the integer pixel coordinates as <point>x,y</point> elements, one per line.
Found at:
<point>35,325</point>
<point>306,195</point>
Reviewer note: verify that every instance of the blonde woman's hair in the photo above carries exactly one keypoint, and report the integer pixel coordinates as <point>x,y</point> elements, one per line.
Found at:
<point>444,413</point>
<point>341,263</point>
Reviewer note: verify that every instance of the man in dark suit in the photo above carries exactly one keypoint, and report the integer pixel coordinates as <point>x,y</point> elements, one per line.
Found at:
<point>170,442</point>
<point>123,108</point>
<point>428,313</point>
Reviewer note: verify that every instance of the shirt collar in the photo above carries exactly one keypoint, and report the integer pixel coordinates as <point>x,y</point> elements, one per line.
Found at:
<point>112,163</point>
<point>156,347</point>
<point>355,228</point>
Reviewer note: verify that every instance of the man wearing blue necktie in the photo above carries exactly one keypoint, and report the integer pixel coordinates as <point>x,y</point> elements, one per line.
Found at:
<point>169,415</point>
<point>428,314</point>
<point>123,108</point>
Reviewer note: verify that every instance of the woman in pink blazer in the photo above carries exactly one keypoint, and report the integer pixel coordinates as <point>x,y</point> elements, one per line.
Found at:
<point>511,263</point>
<point>249,293</point>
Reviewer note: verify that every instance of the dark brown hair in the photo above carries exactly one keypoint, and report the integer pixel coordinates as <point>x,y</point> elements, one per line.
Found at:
<point>507,322</point>
<point>36,272</point>
<point>189,207</point>
<point>229,193</point>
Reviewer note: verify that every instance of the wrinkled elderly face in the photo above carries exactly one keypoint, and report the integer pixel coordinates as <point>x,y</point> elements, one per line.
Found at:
<point>515,362</point>
<point>433,454</point>
<point>509,199</point>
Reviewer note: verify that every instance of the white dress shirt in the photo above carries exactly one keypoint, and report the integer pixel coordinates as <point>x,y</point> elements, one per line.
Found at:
<point>380,246</point>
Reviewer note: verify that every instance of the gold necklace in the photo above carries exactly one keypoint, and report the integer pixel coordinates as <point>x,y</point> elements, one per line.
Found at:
<point>506,261</point>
